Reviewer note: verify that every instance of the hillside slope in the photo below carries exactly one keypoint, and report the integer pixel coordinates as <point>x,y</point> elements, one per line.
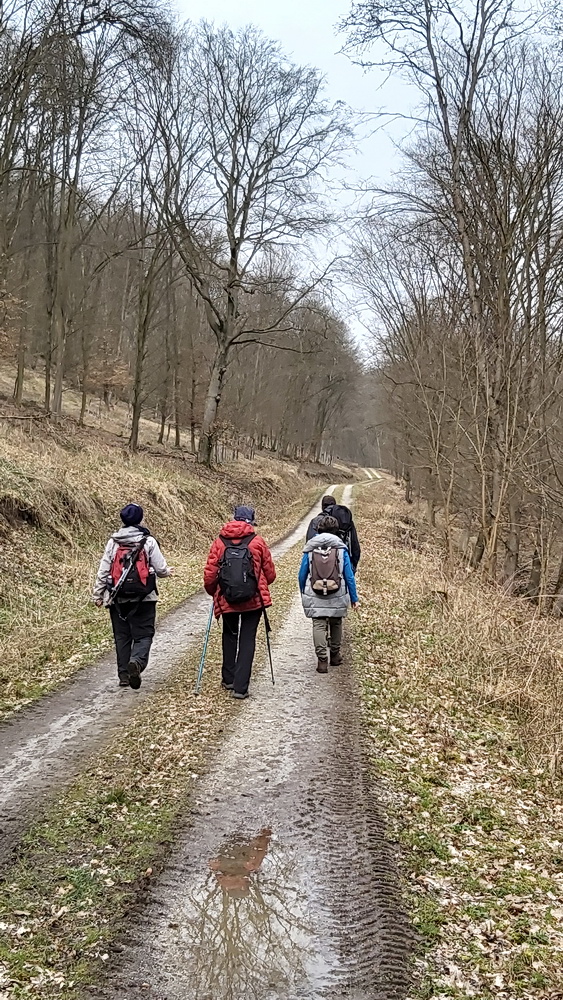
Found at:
<point>60,493</point>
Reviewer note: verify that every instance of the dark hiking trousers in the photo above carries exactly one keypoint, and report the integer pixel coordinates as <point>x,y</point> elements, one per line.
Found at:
<point>133,634</point>
<point>239,643</point>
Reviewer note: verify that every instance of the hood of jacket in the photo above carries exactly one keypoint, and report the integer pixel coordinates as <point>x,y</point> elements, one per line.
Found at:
<point>130,535</point>
<point>324,539</point>
<point>235,530</point>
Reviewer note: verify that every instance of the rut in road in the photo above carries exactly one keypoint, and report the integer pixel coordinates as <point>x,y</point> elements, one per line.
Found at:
<point>282,886</point>
<point>44,746</point>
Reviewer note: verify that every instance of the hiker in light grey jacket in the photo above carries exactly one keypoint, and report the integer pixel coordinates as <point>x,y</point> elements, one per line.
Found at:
<point>328,588</point>
<point>132,604</point>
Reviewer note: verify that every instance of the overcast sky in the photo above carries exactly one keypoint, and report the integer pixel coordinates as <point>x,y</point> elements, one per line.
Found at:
<point>307,31</point>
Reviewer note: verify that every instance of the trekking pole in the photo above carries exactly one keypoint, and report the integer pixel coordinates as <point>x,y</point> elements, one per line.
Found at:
<point>268,628</point>
<point>197,688</point>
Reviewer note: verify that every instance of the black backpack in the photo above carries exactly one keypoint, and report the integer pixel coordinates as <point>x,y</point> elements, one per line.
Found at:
<point>344,517</point>
<point>237,579</point>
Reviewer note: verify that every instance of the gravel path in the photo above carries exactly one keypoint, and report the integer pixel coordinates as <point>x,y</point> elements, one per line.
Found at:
<point>282,886</point>
<point>44,746</point>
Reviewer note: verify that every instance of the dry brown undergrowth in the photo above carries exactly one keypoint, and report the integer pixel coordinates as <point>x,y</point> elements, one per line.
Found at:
<point>463,712</point>
<point>505,648</point>
<point>60,493</point>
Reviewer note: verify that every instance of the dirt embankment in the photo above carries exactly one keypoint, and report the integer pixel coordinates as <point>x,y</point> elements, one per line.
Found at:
<point>60,493</point>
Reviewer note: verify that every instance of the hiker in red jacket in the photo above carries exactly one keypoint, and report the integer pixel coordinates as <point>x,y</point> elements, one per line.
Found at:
<point>238,574</point>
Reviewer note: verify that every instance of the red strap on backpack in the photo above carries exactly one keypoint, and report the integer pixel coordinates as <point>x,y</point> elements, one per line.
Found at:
<point>122,552</point>
<point>141,564</point>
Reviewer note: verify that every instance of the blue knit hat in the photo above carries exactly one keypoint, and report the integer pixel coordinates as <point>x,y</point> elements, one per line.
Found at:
<point>132,514</point>
<point>247,514</point>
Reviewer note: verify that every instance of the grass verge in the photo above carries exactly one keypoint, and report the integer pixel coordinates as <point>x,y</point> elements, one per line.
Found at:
<point>470,797</point>
<point>78,872</point>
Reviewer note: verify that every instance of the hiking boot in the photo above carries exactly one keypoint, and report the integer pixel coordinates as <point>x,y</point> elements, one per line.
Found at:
<point>227,687</point>
<point>322,667</point>
<point>240,695</point>
<point>134,675</point>
<point>123,680</point>
<point>335,659</point>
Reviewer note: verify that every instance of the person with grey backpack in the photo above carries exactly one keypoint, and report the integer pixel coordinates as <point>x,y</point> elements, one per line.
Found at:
<point>328,589</point>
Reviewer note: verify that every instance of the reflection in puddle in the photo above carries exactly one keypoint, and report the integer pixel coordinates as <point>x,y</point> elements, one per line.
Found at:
<point>247,931</point>
<point>237,860</point>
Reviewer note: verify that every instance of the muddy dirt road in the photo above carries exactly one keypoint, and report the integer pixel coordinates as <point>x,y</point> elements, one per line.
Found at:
<point>282,887</point>
<point>44,746</point>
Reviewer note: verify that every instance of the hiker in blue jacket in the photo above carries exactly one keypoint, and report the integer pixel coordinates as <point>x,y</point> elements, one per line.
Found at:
<point>328,588</point>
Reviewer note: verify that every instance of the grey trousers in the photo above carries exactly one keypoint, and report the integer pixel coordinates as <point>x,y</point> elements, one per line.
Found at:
<point>322,626</point>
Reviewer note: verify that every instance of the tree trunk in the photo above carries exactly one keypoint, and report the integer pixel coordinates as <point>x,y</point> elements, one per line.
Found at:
<point>83,403</point>
<point>177,427</point>
<point>557,602</point>
<point>142,330</point>
<point>479,550</point>
<point>20,374</point>
<point>163,411</point>
<point>512,545</point>
<point>408,485</point>
<point>192,429</point>
<point>534,583</point>
<point>47,393</point>
<point>212,401</point>
<point>22,341</point>
<point>59,358</point>
<point>137,408</point>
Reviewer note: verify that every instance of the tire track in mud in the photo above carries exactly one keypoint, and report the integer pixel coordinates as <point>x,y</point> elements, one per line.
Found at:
<point>44,746</point>
<point>282,885</point>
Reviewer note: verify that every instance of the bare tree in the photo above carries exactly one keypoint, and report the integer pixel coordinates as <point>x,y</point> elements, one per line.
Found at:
<point>244,140</point>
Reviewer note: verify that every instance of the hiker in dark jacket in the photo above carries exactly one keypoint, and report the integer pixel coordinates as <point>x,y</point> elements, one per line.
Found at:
<point>132,617</point>
<point>327,607</point>
<point>240,618</point>
<point>346,530</point>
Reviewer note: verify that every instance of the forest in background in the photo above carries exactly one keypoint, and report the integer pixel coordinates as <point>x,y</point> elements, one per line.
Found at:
<point>461,259</point>
<point>164,217</point>
<point>168,225</point>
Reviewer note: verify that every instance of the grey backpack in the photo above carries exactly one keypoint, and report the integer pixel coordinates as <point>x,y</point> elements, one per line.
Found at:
<point>326,579</point>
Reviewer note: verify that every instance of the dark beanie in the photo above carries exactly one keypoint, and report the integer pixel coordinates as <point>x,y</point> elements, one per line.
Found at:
<point>327,502</point>
<point>243,513</point>
<point>132,514</point>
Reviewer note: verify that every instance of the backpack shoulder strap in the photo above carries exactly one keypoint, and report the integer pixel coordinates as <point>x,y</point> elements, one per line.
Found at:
<point>243,544</point>
<point>138,550</point>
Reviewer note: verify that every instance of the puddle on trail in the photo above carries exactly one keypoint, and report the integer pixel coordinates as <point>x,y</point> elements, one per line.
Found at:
<point>281,886</point>
<point>249,928</point>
